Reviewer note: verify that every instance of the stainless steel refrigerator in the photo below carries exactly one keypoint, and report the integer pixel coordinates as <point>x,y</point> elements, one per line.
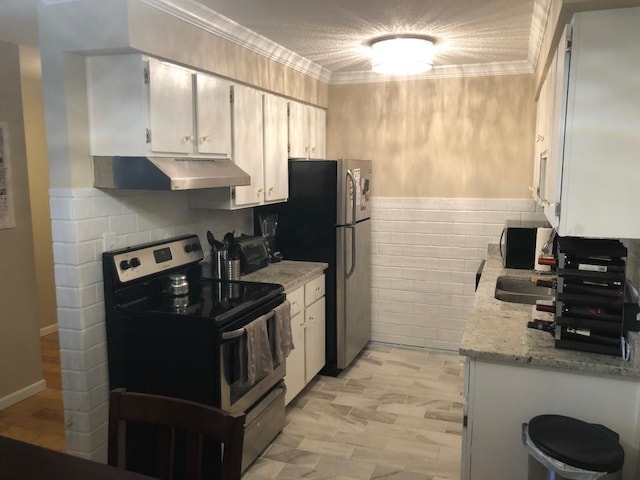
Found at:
<point>327,219</point>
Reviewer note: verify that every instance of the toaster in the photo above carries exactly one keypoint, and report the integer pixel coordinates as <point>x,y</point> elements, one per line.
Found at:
<point>253,253</point>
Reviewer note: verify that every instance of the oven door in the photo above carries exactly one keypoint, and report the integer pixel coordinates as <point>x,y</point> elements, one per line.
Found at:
<point>237,394</point>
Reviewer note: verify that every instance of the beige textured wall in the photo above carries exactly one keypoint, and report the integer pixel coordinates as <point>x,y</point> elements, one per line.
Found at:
<point>20,364</point>
<point>159,34</point>
<point>451,137</point>
<point>33,110</point>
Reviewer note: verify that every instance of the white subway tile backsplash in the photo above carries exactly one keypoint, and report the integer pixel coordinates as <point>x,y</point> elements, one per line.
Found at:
<point>388,203</point>
<point>61,208</point>
<point>80,217</point>
<point>123,224</point>
<point>425,254</point>
<point>137,238</point>
<point>108,206</point>
<point>521,205</point>
<point>91,229</point>
<point>533,217</point>
<point>72,297</point>
<point>64,231</point>
<point>74,253</point>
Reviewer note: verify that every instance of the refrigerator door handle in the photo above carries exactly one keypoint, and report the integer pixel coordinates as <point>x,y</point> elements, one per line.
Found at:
<point>353,196</point>
<point>353,252</point>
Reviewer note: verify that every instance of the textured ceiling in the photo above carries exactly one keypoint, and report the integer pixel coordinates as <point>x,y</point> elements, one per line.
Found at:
<point>473,37</point>
<point>335,33</point>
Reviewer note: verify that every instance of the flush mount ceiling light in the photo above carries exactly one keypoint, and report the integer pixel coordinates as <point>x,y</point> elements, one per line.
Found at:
<point>402,55</point>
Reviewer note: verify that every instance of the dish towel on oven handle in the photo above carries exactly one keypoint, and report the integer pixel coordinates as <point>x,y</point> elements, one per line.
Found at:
<point>258,349</point>
<point>283,339</point>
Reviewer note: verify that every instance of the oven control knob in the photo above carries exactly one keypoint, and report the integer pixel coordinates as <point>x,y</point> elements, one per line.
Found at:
<point>125,265</point>
<point>192,247</point>
<point>135,262</point>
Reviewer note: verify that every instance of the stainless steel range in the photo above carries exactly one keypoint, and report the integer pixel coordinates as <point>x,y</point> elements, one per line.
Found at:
<point>171,332</point>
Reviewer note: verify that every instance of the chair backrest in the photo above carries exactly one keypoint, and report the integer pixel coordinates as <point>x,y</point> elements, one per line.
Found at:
<point>173,416</point>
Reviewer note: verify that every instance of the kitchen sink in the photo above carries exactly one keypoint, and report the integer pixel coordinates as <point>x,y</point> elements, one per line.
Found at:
<point>521,290</point>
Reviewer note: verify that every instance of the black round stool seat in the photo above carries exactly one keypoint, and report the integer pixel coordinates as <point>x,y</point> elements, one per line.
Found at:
<point>579,444</point>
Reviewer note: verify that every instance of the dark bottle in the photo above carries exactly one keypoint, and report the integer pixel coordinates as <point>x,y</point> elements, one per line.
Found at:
<point>594,313</point>
<point>549,283</point>
<point>547,260</point>
<point>546,306</point>
<point>593,264</point>
<point>579,311</point>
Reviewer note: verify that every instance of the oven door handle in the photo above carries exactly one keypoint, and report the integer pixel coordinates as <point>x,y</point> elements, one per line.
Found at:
<point>241,331</point>
<point>233,334</point>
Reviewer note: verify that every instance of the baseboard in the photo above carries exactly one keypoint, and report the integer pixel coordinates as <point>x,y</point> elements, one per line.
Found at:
<point>21,394</point>
<point>44,331</point>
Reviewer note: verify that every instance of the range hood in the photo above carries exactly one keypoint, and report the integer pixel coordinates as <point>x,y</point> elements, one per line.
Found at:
<point>167,173</point>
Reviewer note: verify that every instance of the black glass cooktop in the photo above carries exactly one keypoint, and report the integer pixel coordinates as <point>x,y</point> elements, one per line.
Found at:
<point>215,299</point>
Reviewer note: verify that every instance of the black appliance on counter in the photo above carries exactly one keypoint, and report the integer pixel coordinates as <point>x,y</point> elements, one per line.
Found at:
<point>518,243</point>
<point>252,252</point>
<point>171,332</point>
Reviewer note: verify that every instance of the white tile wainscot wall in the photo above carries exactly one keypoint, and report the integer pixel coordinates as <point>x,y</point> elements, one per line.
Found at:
<point>425,254</point>
<point>80,218</point>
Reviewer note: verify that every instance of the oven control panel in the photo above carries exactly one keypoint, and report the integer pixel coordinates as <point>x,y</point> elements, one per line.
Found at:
<point>139,262</point>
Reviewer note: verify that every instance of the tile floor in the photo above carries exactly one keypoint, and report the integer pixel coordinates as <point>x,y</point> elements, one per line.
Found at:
<point>395,414</point>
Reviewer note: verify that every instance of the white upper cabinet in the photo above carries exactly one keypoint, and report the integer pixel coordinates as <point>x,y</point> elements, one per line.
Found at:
<point>140,106</point>
<point>307,131</point>
<point>317,132</point>
<point>248,143</point>
<point>591,180</point>
<point>276,174</point>
<point>259,132</point>
<point>170,108</point>
<point>213,113</point>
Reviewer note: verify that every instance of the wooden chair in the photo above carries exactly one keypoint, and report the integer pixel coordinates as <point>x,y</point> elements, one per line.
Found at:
<point>175,417</point>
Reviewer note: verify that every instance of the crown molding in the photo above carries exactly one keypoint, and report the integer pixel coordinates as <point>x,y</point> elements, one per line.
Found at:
<point>448,71</point>
<point>203,17</point>
<point>211,21</point>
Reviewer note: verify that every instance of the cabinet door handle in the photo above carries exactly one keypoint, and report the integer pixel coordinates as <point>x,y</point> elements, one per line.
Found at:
<point>205,138</point>
<point>188,138</point>
<point>270,189</point>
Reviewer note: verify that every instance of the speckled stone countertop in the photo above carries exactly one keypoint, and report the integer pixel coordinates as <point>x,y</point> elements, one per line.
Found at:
<point>288,273</point>
<point>497,331</point>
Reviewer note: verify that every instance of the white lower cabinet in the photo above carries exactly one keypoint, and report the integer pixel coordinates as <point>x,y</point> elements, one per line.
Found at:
<point>499,398</point>
<point>308,331</point>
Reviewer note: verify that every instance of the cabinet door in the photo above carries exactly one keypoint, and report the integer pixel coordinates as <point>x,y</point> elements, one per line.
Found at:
<point>314,290</point>
<point>559,82</point>
<point>543,112</point>
<point>295,378</point>
<point>298,130</point>
<point>314,339</point>
<point>317,132</point>
<point>248,143</point>
<point>213,112</point>
<point>276,173</point>
<point>170,108</point>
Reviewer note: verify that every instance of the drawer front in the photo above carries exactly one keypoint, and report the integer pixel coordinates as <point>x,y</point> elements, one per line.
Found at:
<point>314,290</point>
<point>296,298</point>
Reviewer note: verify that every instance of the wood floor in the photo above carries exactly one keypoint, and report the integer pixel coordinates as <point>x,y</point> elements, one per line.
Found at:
<point>395,414</point>
<point>40,419</point>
